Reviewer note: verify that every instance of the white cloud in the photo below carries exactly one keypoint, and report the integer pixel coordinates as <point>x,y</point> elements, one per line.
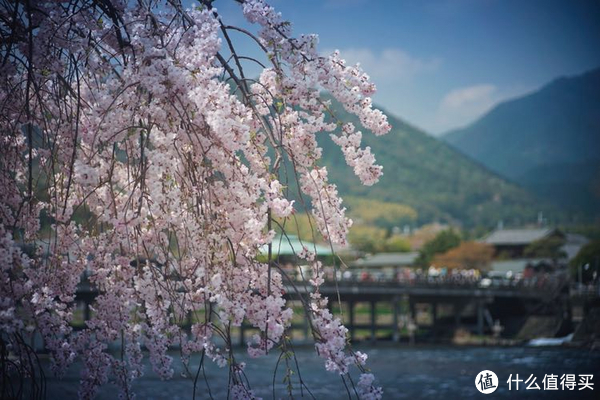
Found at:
<point>461,106</point>
<point>389,64</point>
<point>478,97</point>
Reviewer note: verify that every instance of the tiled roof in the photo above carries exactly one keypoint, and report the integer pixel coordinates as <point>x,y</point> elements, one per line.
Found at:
<point>291,245</point>
<point>517,236</point>
<point>387,260</point>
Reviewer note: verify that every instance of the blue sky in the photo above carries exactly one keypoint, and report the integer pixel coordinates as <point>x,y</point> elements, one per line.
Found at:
<point>440,64</point>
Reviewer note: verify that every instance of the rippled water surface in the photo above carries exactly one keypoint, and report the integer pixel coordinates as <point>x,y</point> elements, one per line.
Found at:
<point>420,372</point>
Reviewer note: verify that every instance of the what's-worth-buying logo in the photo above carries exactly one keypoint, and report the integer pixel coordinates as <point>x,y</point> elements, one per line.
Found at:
<point>487,382</point>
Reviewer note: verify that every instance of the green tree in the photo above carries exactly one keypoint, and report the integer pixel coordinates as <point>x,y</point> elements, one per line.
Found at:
<point>299,224</point>
<point>380,213</point>
<point>396,244</point>
<point>589,256</point>
<point>441,243</point>
<point>368,239</point>
<point>550,247</point>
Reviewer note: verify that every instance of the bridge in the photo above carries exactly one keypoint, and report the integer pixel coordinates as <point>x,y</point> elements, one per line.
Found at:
<point>448,305</point>
<point>435,306</point>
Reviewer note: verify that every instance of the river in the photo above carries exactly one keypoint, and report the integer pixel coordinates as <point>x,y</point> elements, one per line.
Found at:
<point>419,372</point>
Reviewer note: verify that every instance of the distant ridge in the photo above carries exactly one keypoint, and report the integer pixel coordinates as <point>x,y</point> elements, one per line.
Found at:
<point>548,142</point>
<point>441,183</point>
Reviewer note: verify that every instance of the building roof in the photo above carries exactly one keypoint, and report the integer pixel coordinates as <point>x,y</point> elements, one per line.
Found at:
<point>517,236</point>
<point>291,245</point>
<point>387,260</point>
<point>574,243</point>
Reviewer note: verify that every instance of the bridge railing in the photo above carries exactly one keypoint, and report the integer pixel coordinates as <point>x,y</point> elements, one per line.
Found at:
<point>591,290</point>
<point>542,283</point>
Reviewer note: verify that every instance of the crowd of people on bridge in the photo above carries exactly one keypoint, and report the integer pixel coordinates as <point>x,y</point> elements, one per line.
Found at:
<point>529,278</point>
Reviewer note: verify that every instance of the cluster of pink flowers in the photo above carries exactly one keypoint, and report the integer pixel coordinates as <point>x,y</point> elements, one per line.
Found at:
<point>156,178</point>
<point>365,387</point>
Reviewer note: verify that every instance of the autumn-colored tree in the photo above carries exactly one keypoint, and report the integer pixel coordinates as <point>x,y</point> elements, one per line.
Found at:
<point>468,255</point>
<point>441,243</point>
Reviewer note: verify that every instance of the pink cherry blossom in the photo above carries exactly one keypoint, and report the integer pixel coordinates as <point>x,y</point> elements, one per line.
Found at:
<point>139,160</point>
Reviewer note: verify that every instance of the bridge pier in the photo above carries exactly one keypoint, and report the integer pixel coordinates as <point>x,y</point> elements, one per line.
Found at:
<point>87,311</point>
<point>373,320</point>
<point>305,328</point>
<point>480,306</point>
<point>242,334</point>
<point>396,311</point>
<point>457,306</point>
<point>413,312</point>
<point>351,318</point>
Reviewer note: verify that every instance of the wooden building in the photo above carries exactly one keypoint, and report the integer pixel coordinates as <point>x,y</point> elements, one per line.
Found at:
<point>511,243</point>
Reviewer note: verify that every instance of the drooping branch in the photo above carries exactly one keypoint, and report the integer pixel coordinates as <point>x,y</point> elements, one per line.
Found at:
<point>140,169</point>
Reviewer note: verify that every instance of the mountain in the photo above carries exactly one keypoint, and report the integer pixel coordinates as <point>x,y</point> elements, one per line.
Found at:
<point>548,142</point>
<point>439,182</point>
